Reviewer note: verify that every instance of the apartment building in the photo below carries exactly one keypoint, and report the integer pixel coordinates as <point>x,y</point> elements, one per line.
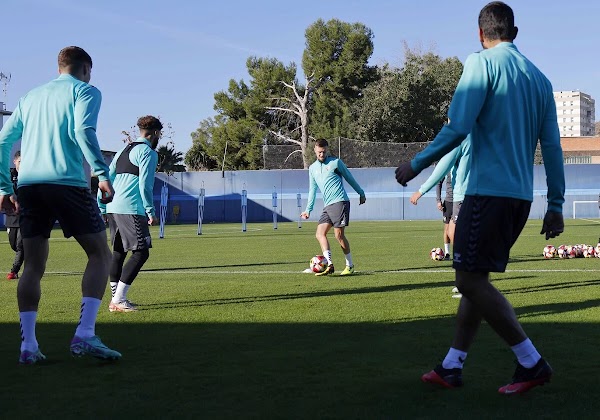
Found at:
<point>576,113</point>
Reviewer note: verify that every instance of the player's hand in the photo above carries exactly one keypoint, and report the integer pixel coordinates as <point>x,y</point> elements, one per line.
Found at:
<point>362,200</point>
<point>415,197</point>
<point>105,219</point>
<point>107,191</point>
<point>404,173</point>
<point>304,215</point>
<point>152,220</point>
<point>553,224</point>
<point>440,206</point>
<point>9,204</point>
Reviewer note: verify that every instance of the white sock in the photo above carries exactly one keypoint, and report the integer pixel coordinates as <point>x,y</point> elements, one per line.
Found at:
<point>446,248</point>
<point>454,359</point>
<point>121,292</point>
<point>113,288</point>
<point>327,255</point>
<point>349,260</point>
<point>28,340</point>
<point>87,320</point>
<point>526,353</point>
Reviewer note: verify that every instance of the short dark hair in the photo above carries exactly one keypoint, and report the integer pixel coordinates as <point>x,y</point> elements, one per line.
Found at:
<point>17,155</point>
<point>73,58</point>
<point>497,21</point>
<point>321,143</point>
<point>149,122</point>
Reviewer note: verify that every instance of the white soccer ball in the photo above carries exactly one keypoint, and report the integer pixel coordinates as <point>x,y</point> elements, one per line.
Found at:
<point>589,251</point>
<point>571,251</point>
<point>549,251</point>
<point>437,254</point>
<point>597,249</point>
<point>318,264</point>
<point>562,251</point>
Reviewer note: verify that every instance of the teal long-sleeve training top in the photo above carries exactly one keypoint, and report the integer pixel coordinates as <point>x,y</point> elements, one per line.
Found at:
<point>506,104</point>
<point>327,176</point>
<point>56,123</point>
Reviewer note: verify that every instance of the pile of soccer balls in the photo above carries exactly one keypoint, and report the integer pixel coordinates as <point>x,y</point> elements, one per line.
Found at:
<point>572,251</point>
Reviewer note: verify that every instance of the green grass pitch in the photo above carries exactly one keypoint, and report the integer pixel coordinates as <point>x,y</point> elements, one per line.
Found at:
<point>230,327</point>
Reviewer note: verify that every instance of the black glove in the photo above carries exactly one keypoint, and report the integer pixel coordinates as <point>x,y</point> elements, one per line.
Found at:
<point>404,173</point>
<point>553,224</point>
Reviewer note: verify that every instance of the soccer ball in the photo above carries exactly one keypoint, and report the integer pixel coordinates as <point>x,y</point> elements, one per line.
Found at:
<point>589,251</point>
<point>437,254</point>
<point>549,251</point>
<point>598,250</point>
<point>318,264</point>
<point>562,251</point>
<point>571,251</point>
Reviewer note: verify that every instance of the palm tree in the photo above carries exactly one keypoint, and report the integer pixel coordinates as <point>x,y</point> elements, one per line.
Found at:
<point>169,160</point>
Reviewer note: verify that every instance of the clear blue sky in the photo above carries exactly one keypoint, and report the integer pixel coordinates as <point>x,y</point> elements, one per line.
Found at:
<point>169,58</point>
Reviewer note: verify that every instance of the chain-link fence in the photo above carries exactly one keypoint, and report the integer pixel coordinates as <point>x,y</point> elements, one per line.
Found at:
<point>356,154</point>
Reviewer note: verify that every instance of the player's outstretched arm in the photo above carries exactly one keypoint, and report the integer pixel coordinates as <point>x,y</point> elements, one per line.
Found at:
<point>415,197</point>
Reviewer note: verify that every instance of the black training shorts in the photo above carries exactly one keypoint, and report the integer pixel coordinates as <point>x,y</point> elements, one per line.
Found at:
<point>43,204</point>
<point>486,230</point>
<point>447,209</point>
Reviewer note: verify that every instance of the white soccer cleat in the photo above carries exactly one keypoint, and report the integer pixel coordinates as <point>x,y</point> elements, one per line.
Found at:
<point>124,306</point>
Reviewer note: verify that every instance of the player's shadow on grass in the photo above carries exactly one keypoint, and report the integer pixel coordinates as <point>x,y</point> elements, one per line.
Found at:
<point>201,267</point>
<point>293,370</point>
<point>552,286</point>
<point>291,296</point>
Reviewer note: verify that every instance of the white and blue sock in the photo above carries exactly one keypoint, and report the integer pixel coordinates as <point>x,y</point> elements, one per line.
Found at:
<point>87,320</point>
<point>28,340</point>
<point>121,292</point>
<point>327,255</point>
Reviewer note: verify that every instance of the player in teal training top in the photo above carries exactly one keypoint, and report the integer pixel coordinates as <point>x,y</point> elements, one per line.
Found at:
<point>57,125</point>
<point>327,173</point>
<point>132,210</point>
<point>506,104</point>
<point>456,164</point>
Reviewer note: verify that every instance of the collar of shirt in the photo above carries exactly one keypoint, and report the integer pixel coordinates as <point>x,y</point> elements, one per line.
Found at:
<point>143,140</point>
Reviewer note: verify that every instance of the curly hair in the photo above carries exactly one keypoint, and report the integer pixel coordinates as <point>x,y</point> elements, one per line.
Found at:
<point>149,122</point>
<point>73,58</point>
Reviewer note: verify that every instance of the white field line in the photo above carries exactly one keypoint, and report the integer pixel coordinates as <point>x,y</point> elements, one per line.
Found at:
<point>212,272</point>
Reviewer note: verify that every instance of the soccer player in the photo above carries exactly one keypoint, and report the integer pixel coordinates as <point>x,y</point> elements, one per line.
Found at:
<point>12,225</point>
<point>506,104</point>
<point>456,165</point>
<point>132,210</point>
<point>327,173</point>
<point>444,206</point>
<point>57,125</point>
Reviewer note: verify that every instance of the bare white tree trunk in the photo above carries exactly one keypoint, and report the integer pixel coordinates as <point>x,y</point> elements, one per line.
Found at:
<point>298,107</point>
